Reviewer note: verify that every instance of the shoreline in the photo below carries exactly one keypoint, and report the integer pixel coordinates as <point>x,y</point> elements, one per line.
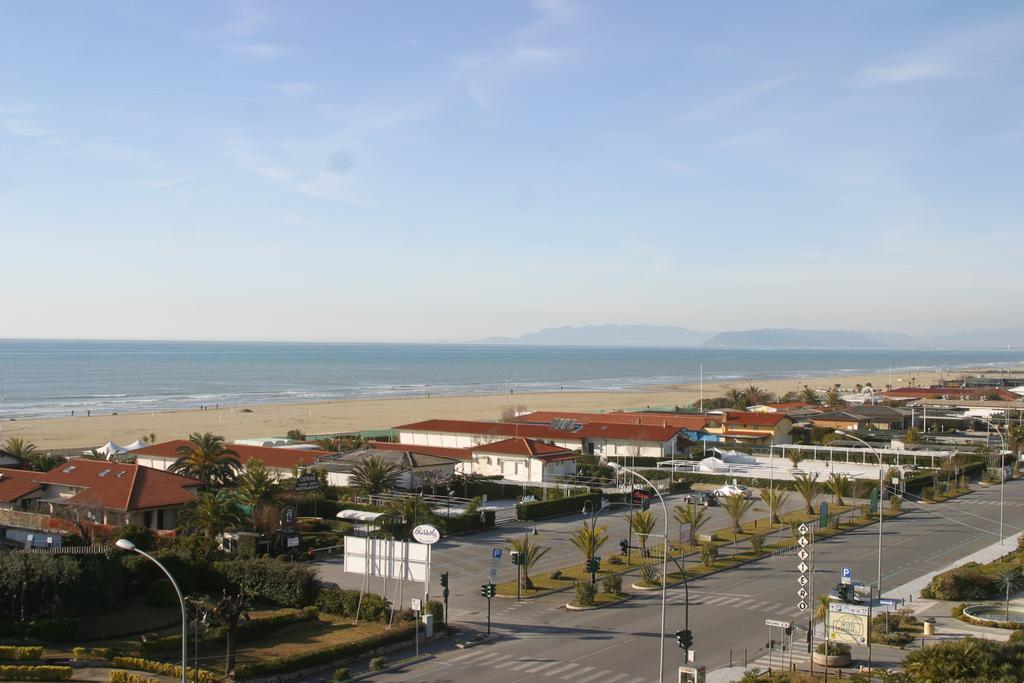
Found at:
<point>345,415</point>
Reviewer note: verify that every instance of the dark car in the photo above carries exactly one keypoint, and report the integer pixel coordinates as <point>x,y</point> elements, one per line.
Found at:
<point>705,498</point>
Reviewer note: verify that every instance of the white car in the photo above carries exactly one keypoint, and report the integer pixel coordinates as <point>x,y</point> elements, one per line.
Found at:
<point>732,490</point>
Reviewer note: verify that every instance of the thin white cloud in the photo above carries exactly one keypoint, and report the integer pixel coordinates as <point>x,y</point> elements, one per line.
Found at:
<point>294,171</point>
<point>724,104</point>
<point>964,54</point>
<point>532,48</point>
<point>21,122</point>
<point>150,183</point>
<point>259,51</point>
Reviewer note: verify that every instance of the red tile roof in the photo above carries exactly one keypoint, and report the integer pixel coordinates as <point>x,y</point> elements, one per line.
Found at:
<point>527,448</point>
<point>954,393</point>
<point>16,483</point>
<point>437,451</point>
<point>278,458</point>
<point>788,405</point>
<point>120,486</point>
<point>742,417</point>
<point>693,422</point>
<point>616,432</point>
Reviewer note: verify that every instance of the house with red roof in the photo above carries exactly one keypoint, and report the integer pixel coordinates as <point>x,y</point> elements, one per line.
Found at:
<point>522,459</point>
<point>282,462</point>
<point>741,426</point>
<point>18,488</point>
<point>950,394</point>
<point>111,494</point>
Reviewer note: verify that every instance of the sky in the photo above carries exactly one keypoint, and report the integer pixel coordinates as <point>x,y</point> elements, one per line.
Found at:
<point>419,171</point>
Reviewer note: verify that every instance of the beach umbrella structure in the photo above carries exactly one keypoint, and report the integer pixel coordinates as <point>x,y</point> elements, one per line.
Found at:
<point>135,445</point>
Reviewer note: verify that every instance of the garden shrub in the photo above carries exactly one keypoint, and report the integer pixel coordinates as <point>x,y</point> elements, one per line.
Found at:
<point>378,663</point>
<point>833,649</point>
<point>341,674</point>
<point>100,652</point>
<point>343,603</point>
<point>285,585</point>
<point>611,583</point>
<point>11,652</point>
<point>56,630</point>
<point>966,582</point>
<point>257,627</point>
<point>59,585</point>
<point>35,673</point>
<point>551,508</point>
<point>128,677</point>
<point>161,593</point>
<point>650,573</point>
<point>585,593</point>
<point>163,668</point>
<point>557,574</point>
<point>708,554</point>
<point>436,608</point>
<point>757,542</point>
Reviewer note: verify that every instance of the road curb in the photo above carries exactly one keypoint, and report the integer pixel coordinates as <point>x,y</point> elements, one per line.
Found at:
<point>586,608</point>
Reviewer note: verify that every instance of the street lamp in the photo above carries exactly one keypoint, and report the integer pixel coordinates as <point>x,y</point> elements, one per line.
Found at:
<point>1002,475</point>
<point>664,566</point>
<point>449,513</point>
<point>881,514</point>
<point>125,544</point>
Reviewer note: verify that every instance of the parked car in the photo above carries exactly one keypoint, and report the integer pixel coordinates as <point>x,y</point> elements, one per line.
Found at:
<point>732,490</point>
<point>705,498</point>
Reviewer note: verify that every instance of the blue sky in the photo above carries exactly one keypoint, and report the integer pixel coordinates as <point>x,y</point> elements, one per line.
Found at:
<point>409,171</point>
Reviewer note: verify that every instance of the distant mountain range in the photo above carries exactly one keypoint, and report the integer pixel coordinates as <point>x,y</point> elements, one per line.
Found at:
<point>768,338</point>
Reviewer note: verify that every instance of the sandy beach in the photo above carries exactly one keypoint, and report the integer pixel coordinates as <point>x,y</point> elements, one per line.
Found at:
<point>340,416</point>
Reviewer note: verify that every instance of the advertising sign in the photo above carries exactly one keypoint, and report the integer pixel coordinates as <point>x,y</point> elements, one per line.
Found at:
<point>848,628</point>
<point>307,482</point>
<point>427,534</point>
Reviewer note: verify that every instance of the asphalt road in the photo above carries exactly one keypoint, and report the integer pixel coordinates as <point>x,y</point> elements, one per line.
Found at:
<point>541,640</point>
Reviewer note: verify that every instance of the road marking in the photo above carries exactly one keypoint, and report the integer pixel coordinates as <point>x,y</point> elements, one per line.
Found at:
<point>522,664</point>
<point>574,674</point>
<point>543,666</point>
<point>509,662</point>
<point>568,666</point>
<point>617,677</point>
<point>602,673</point>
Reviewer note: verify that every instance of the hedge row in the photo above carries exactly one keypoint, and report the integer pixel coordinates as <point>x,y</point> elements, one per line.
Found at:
<point>254,628</point>
<point>551,508</point>
<point>327,655</point>
<point>343,603</point>
<point>279,583</point>
<point>81,654</point>
<point>35,673</point>
<point>10,652</point>
<point>56,630</point>
<point>162,668</point>
<point>476,521</point>
<point>128,677</point>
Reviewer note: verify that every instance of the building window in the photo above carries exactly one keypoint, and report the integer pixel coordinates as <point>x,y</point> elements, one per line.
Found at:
<point>147,519</point>
<point>159,519</point>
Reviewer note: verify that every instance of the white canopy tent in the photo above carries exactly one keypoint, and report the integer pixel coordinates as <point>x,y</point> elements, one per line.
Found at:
<point>136,445</point>
<point>107,450</point>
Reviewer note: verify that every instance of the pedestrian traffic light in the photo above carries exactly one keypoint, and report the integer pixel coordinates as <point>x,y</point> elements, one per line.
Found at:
<point>624,544</point>
<point>684,639</point>
<point>444,579</point>
<point>515,557</point>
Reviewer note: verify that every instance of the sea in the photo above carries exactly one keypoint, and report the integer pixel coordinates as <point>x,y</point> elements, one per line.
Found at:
<point>47,378</point>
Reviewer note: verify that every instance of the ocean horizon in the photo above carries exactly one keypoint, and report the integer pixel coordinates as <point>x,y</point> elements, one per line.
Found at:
<point>50,378</point>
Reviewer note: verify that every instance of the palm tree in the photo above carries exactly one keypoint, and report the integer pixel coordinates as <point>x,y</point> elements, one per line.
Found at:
<point>373,476</point>
<point>207,459</point>
<point>211,513</point>
<point>839,485</point>
<point>689,514</point>
<point>807,487</point>
<point>529,553</point>
<point>257,487</point>
<point>642,524</point>
<point>736,398</point>
<point>756,395</point>
<point>149,438</point>
<point>795,457</point>
<point>736,505</point>
<point>775,499</point>
<point>821,612</point>
<point>833,397</point>
<point>809,395</point>
<point>413,511</point>
<point>589,540</point>
<point>912,435</point>
<point>1009,580</point>
<point>19,448</point>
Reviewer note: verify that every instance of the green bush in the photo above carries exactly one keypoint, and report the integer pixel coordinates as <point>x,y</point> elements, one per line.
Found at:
<point>256,627</point>
<point>650,573</point>
<point>551,508</point>
<point>378,663</point>
<point>57,630</point>
<point>285,585</point>
<point>11,652</point>
<point>341,674</point>
<point>101,652</point>
<point>59,585</point>
<point>343,603</point>
<point>966,582</point>
<point>35,673</point>
<point>585,593</point>
<point>162,668</point>
<point>557,574</point>
<point>611,583</point>
<point>757,542</point>
<point>436,608</point>
<point>708,554</point>
<point>833,649</point>
<point>336,653</point>
<point>79,654</point>
<point>161,593</point>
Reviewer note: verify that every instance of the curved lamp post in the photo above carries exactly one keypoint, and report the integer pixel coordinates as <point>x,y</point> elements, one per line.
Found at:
<point>664,566</point>
<point>1002,475</point>
<point>125,544</point>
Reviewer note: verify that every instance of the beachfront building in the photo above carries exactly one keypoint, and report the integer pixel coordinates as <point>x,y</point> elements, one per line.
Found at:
<point>740,426</point>
<point>96,492</point>
<point>282,462</point>
<point>18,488</point>
<point>864,418</point>
<point>523,460</point>
<point>414,467</point>
<point>606,439</point>
<point>950,393</point>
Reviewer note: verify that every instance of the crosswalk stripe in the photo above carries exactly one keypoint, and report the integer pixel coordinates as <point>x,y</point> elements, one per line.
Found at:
<point>541,667</point>
<point>568,666</point>
<point>507,662</point>
<point>574,674</point>
<point>522,664</point>
<point>616,678</point>
<point>603,673</point>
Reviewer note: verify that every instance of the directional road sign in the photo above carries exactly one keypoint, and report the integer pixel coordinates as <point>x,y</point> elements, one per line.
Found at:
<point>776,622</point>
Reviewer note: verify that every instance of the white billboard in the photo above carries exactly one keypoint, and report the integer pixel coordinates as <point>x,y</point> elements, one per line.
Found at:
<point>386,558</point>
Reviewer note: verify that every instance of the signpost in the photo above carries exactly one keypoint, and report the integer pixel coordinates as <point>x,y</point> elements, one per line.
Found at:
<point>288,518</point>
<point>846,575</point>
<point>495,562</point>
<point>775,623</point>
<point>848,623</point>
<point>307,482</point>
<point>802,567</point>
<point>416,605</point>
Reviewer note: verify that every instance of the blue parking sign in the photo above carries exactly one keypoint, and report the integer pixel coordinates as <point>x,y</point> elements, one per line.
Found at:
<point>847,573</point>
<point>496,553</point>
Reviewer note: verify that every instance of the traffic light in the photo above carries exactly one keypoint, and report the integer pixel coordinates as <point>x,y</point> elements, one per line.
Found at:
<point>594,565</point>
<point>515,557</point>
<point>645,504</point>
<point>624,544</point>
<point>684,639</point>
<point>488,590</point>
<point>444,579</point>
<point>845,592</point>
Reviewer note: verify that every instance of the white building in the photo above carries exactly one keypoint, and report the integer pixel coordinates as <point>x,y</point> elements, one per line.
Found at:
<point>521,459</point>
